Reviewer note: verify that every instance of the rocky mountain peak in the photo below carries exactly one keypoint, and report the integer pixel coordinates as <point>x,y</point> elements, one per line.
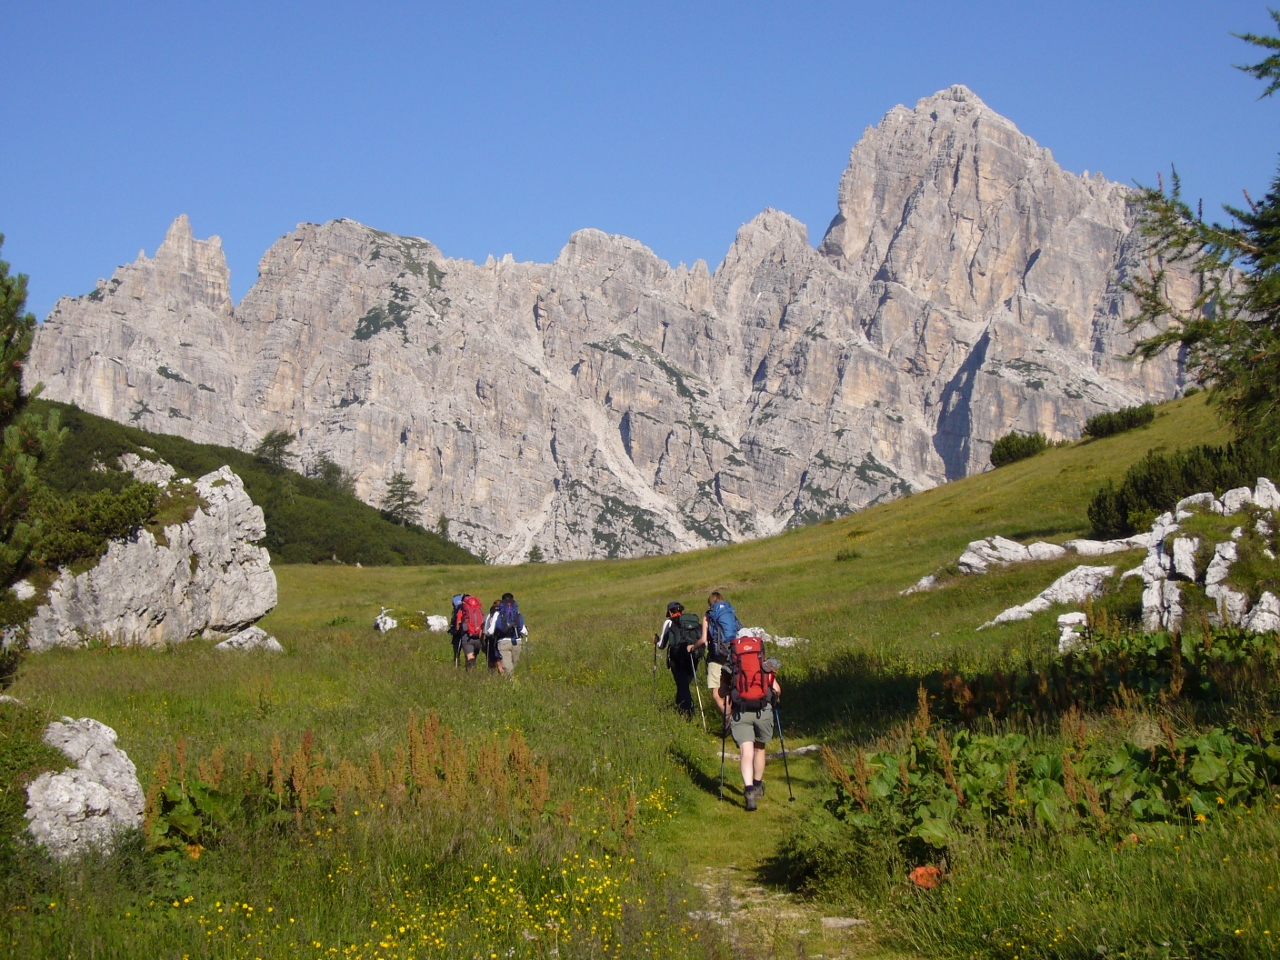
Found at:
<point>608,404</point>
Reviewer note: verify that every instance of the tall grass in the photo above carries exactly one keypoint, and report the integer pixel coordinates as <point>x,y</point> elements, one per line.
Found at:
<point>590,709</point>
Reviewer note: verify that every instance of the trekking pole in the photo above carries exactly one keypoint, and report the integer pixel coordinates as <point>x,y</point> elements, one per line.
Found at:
<point>696,689</point>
<point>785,766</point>
<point>724,736</point>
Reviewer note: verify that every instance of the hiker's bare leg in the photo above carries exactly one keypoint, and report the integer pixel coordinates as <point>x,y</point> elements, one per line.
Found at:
<point>720,702</point>
<point>748,753</point>
<point>761,752</point>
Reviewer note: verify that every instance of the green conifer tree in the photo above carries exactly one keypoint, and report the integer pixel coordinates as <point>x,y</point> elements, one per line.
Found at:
<point>400,503</point>
<point>1231,331</point>
<point>27,439</point>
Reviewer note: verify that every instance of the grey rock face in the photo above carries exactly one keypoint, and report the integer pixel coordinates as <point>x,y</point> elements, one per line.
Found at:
<point>88,806</point>
<point>609,404</point>
<point>207,578</point>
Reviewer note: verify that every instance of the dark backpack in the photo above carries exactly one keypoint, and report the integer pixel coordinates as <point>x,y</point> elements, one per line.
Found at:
<point>751,687</point>
<point>722,627</point>
<point>509,621</point>
<point>470,619</point>
<point>684,633</point>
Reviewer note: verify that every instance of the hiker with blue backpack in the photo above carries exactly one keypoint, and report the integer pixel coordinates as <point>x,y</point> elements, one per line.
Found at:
<point>719,627</point>
<point>505,628</point>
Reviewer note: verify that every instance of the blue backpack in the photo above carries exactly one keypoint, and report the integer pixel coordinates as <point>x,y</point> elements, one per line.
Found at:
<point>509,621</point>
<point>722,628</point>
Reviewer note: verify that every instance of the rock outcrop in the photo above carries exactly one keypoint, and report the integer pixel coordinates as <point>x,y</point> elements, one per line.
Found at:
<point>89,805</point>
<point>1176,562</point>
<point>1077,586</point>
<point>250,638</point>
<point>202,577</point>
<point>609,404</point>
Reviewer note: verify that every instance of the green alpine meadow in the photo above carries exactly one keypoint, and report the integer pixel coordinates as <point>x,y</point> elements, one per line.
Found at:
<point>360,795</point>
<point>362,617</point>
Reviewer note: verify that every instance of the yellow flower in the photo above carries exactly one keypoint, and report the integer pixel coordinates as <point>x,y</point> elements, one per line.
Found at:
<point>1200,818</point>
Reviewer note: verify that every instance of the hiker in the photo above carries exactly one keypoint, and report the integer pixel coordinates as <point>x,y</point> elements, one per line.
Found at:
<point>454,637</point>
<point>467,628</point>
<point>680,635</point>
<point>751,688</point>
<point>719,627</point>
<point>508,630</point>
<point>490,641</point>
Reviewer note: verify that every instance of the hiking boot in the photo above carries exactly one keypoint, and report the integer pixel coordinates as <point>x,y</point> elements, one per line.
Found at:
<point>760,790</point>
<point>750,795</point>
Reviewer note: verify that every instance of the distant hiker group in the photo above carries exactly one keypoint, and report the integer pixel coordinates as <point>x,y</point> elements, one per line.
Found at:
<point>743,683</point>
<point>497,634</point>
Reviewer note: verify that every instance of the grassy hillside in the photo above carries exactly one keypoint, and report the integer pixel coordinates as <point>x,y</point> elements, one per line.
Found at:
<point>307,521</point>
<point>591,707</point>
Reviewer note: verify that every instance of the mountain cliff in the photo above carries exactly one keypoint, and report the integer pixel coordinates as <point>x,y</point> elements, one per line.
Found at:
<point>609,404</point>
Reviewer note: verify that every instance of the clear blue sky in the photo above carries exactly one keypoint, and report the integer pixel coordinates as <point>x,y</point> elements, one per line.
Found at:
<point>503,127</point>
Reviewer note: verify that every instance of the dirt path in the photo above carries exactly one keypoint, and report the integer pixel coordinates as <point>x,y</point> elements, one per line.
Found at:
<point>729,854</point>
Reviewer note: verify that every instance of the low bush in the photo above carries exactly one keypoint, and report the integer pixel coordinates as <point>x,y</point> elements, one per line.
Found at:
<point>78,527</point>
<point>1157,482</point>
<point>1118,421</point>
<point>1122,668</point>
<point>940,785</point>
<point>1015,446</point>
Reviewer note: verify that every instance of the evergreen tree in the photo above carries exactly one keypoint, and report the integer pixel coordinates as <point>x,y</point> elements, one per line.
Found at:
<point>535,555</point>
<point>400,503</point>
<point>1231,332</point>
<point>273,449</point>
<point>332,475</point>
<point>28,440</point>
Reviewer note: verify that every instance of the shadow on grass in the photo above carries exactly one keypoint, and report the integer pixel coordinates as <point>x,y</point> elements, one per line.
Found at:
<point>856,694</point>
<point>697,776</point>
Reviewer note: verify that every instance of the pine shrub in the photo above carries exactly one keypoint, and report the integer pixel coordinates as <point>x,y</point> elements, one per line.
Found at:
<point>1015,446</point>
<point>1118,421</point>
<point>1158,481</point>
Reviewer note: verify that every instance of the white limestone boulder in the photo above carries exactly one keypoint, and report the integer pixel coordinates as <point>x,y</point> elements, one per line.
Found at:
<point>1184,558</point>
<point>251,638</point>
<point>927,582</point>
<point>148,471</point>
<point>1265,495</point>
<point>1265,615</point>
<point>1046,551</point>
<point>1233,501</point>
<point>207,578</point>
<point>91,805</point>
<point>1071,627</point>
<point>437,623</point>
<point>1077,586</point>
<point>1161,606</point>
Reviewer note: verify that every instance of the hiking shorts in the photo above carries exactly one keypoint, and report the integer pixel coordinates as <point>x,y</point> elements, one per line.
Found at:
<point>751,726</point>
<point>714,673</point>
<point>471,646</point>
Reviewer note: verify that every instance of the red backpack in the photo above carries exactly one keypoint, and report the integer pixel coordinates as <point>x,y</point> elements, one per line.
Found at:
<point>471,617</point>
<point>752,687</point>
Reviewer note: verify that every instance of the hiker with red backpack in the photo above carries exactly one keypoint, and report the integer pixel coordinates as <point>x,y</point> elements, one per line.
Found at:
<point>467,628</point>
<point>750,688</point>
